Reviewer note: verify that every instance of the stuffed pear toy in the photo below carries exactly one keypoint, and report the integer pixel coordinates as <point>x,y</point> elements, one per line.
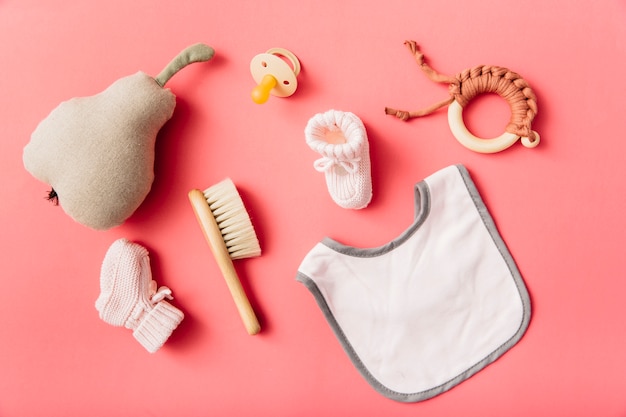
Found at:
<point>97,152</point>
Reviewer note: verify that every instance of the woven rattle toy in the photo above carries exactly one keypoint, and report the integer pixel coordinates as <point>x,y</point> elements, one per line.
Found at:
<point>470,83</point>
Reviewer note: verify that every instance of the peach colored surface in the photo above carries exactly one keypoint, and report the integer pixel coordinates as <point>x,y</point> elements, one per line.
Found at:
<point>559,207</point>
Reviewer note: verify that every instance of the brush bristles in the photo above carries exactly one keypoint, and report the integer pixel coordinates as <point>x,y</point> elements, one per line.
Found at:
<point>233,220</point>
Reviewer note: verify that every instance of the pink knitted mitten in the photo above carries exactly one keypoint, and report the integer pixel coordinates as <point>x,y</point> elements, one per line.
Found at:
<point>129,296</point>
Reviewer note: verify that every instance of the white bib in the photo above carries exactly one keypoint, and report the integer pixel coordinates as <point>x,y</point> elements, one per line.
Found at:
<point>429,309</point>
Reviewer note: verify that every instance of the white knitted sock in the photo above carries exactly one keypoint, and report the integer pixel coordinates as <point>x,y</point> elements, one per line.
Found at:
<point>341,139</point>
<point>129,296</point>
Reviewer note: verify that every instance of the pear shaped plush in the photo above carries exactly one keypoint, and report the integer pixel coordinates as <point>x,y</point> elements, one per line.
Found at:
<point>97,153</point>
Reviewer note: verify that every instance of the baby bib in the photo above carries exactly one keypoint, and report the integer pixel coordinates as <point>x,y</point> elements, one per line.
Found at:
<point>426,311</point>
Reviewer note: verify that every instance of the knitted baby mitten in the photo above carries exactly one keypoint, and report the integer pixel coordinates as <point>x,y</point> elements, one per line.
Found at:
<point>129,296</point>
<point>341,139</point>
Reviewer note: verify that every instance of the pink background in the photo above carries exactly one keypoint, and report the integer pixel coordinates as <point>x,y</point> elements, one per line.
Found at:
<point>559,207</point>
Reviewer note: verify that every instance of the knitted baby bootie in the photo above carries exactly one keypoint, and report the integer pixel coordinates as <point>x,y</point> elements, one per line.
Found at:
<point>341,139</point>
<point>129,296</point>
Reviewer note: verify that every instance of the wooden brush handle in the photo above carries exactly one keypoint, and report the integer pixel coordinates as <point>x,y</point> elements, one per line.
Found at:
<point>214,238</point>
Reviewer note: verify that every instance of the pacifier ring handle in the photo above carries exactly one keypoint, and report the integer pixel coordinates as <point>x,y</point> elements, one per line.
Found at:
<point>295,63</point>
<point>470,83</point>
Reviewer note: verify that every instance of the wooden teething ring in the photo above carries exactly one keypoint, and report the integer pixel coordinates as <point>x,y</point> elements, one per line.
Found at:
<point>468,84</point>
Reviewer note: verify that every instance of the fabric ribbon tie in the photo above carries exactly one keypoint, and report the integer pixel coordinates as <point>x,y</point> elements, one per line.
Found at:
<point>326,163</point>
<point>160,294</point>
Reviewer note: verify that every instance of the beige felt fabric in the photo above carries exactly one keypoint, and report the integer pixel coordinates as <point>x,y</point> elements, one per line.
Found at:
<point>98,152</point>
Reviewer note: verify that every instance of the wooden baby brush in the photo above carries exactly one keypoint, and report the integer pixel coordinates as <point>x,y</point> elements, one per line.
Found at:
<point>230,235</point>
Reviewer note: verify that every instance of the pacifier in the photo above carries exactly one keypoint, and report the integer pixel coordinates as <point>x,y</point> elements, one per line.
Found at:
<point>273,75</point>
<point>467,85</point>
